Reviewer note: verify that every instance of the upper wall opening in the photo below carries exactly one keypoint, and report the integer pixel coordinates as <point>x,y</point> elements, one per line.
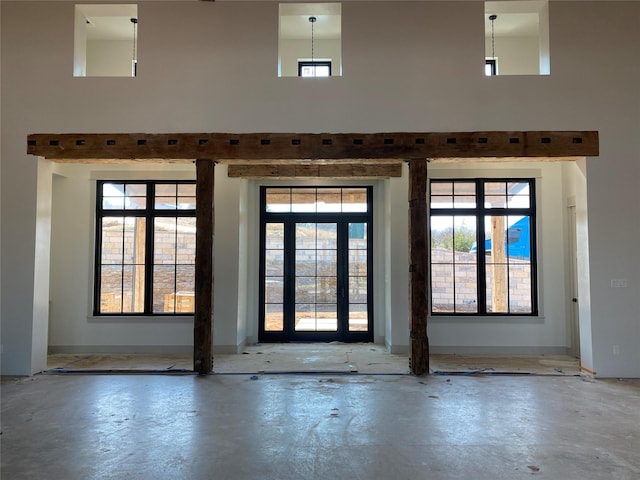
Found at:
<point>105,40</point>
<point>310,40</point>
<point>517,37</point>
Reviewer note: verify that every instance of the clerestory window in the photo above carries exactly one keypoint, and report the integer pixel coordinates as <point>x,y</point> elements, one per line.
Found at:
<point>106,40</point>
<point>310,40</point>
<point>314,69</point>
<point>517,37</point>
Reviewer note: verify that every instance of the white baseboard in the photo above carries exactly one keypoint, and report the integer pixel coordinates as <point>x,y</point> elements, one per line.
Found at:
<point>397,349</point>
<point>458,350</point>
<point>229,349</point>
<point>122,349</point>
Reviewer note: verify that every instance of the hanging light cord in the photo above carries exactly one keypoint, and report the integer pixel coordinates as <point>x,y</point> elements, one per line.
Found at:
<point>493,37</point>
<point>135,25</point>
<point>312,20</point>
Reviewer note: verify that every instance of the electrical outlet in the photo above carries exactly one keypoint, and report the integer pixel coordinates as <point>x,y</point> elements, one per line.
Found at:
<point>616,349</point>
<point>619,283</point>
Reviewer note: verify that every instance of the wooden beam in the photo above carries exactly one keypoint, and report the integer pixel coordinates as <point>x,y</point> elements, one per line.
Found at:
<point>419,263</point>
<point>311,146</point>
<point>203,317</point>
<point>335,170</point>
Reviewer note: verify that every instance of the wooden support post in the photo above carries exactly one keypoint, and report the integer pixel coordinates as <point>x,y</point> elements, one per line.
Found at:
<point>203,317</point>
<point>499,265</point>
<point>419,263</point>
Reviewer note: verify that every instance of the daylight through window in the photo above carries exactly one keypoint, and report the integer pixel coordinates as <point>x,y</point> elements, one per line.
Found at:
<point>314,69</point>
<point>145,256</point>
<point>310,40</point>
<point>483,247</point>
<point>517,37</point>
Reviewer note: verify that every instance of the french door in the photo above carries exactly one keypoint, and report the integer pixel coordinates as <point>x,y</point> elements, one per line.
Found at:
<point>315,275</point>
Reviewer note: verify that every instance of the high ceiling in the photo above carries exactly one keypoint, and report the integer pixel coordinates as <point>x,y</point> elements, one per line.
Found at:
<point>108,22</point>
<point>294,20</point>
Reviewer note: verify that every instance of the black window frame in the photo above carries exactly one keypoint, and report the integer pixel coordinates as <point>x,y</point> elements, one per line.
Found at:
<point>494,66</point>
<point>480,212</point>
<point>150,213</point>
<point>313,63</point>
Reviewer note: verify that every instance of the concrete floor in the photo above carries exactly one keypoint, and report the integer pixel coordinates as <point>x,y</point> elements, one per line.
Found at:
<point>305,426</point>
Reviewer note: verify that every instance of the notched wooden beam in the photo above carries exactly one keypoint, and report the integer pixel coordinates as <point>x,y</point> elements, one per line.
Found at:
<point>313,146</point>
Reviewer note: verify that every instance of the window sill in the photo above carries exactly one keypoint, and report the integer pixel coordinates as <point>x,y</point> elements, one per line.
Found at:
<point>512,319</point>
<point>140,318</point>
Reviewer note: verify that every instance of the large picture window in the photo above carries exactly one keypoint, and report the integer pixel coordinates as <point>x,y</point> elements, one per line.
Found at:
<point>483,247</point>
<point>145,248</point>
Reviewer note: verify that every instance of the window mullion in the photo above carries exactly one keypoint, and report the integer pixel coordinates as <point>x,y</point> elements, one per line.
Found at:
<point>482,266</point>
<point>97,284</point>
<point>149,250</point>
<point>124,245</point>
<point>175,265</point>
<point>481,258</point>
<point>289,293</point>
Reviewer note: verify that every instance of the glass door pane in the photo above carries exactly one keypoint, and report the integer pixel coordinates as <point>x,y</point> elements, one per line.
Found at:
<point>316,281</point>
<point>358,277</point>
<point>274,278</point>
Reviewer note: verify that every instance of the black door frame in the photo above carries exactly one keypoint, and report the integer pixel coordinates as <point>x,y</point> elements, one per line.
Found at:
<point>342,219</point>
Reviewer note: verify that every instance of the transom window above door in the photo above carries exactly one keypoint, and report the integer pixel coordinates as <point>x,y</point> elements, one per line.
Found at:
<point>316,200</point>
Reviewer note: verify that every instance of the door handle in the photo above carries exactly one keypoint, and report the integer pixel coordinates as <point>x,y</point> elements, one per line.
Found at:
<point>574,300</point>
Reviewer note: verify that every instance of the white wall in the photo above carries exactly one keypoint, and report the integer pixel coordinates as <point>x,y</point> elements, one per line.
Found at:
<point>227,241</point>
<point>109,58</point>
<point>396,273</point>
<point>575,186</point>
<point>516,55</point>
<point>211,66</point>
<point>80,44</point>
<point>543,41</point>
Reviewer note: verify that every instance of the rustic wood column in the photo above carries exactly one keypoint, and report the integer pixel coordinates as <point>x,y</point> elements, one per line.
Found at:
<point>203,317</point>
<point>419,264</point>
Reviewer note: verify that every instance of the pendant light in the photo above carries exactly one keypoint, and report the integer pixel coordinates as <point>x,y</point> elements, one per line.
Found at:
<point>134,61</point>
<point>312,20</point>
<point>493,36</point>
